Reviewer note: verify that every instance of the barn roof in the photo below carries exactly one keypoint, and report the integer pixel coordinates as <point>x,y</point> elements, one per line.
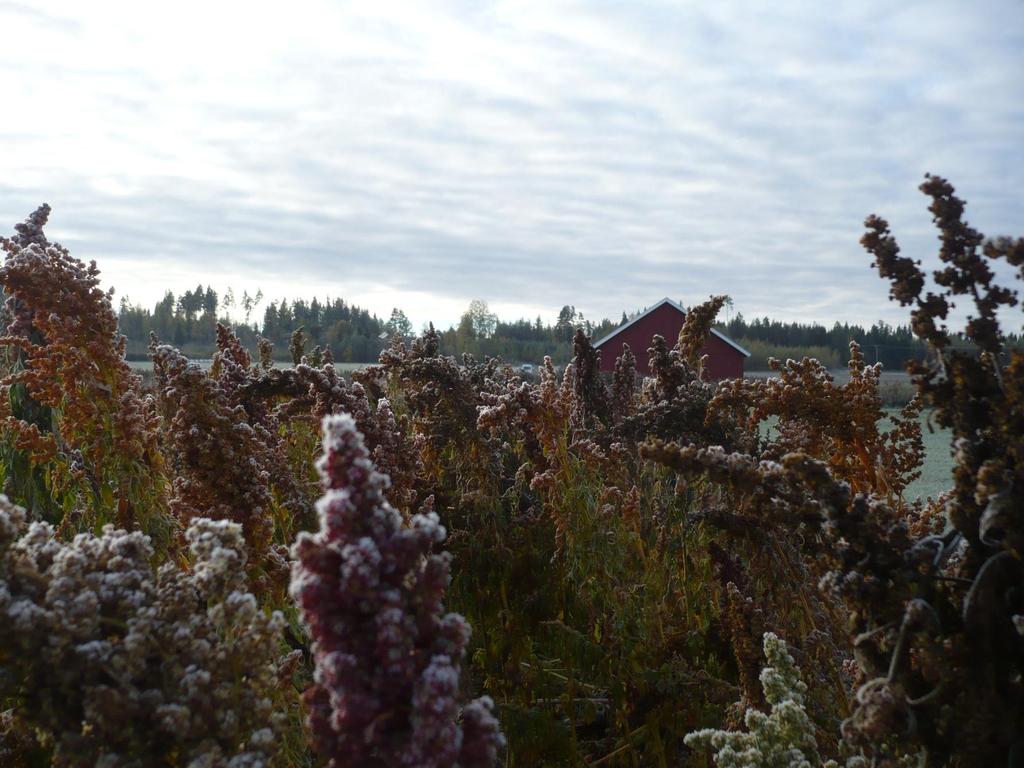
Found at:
<point>672,304</point>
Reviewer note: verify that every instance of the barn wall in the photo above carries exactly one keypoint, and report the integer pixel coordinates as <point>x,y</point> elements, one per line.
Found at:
<point>724,361</point>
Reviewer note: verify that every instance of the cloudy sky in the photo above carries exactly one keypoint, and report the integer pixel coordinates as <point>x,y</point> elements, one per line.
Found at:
<point>531,154</point>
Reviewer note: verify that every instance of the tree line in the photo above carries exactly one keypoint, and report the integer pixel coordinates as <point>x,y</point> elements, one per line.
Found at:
<point>890,345</point>
<point>355,334</point>
<point>189,322</point>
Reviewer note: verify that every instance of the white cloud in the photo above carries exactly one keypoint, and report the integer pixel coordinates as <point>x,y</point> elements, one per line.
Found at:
<point>532,154</point>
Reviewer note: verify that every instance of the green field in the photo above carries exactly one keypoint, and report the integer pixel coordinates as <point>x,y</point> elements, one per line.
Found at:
<point>937,472</point>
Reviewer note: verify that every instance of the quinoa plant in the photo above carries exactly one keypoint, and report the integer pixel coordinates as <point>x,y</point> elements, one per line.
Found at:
<point>78,438</point>
<point>942,650</point>
<point>782,738</point>
<point>838,423</point>
<point>620,547</point>
<point>631,615</point>
<point>387,656</point>
<point>107,662</point>
<point>220,462</point>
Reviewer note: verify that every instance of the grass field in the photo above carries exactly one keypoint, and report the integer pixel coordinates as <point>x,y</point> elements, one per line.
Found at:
<point>936,474</point>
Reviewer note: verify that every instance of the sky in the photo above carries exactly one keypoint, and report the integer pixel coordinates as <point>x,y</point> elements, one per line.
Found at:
<point>531,154</point>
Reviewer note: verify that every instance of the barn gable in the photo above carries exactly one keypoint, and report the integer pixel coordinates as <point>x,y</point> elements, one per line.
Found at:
<point>725,356</point>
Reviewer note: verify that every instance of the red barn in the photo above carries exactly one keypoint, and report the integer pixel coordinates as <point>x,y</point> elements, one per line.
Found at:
<point>725,356</point>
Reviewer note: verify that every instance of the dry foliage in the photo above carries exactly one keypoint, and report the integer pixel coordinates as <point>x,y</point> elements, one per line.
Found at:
<point>619,547</point>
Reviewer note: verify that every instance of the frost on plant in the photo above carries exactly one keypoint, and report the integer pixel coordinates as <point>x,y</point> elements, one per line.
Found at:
<point>69,403</point>
<point>108,663</point>
<point>783,738</point>
<point>388,658</point>
<point>219,460</point>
